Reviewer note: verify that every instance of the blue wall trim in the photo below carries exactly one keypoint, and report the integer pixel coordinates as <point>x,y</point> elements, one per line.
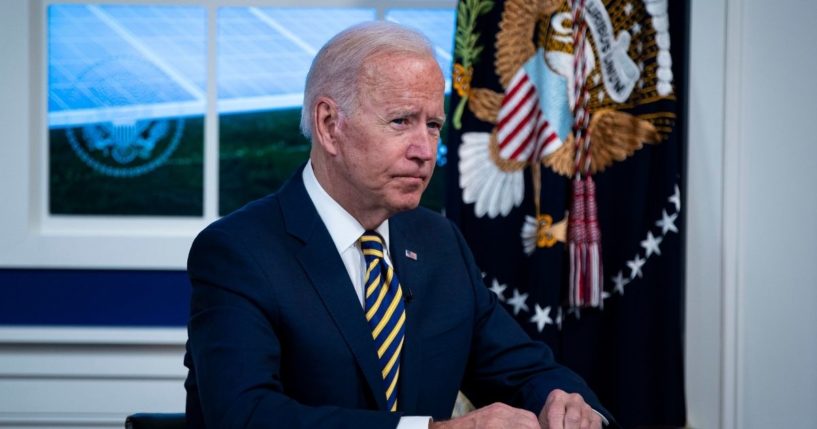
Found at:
<point>94,298</point>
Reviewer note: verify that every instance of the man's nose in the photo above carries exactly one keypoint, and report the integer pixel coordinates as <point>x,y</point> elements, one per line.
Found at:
<point>423,146</point>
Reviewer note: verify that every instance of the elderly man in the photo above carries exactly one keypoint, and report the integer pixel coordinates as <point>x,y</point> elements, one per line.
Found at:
<point>337,303</point>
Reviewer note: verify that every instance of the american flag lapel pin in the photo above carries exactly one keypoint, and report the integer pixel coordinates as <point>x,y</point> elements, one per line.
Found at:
<point>411,255</point>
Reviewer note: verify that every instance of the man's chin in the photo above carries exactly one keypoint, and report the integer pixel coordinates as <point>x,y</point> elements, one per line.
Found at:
<point>406,202</point>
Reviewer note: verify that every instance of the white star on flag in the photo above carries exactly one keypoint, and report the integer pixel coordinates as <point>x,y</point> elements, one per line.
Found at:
<point>667,222</point>
<point>635,266</point>
<point>676,199</point>
<point>542,317</point>
<point>517,301</point>
<point>628,8</point>
<point>651,244</point>
<point>620,282</point>
<point>498,290</point>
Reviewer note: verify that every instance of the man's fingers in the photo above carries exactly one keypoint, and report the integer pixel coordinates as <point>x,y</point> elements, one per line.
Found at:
<point>574,411</point>
<point>573,416</point>
<point>499,416</point>
<point>590,418</point>
<point>564,410</point>
<point>494,416</point>
<point>552,415</point>
<point>587,418</point>
<point>556,415</point>
<point>595,419</point>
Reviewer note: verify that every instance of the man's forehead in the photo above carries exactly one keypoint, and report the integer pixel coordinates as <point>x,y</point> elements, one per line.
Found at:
<point>388,65</point>
<point>405,100</point>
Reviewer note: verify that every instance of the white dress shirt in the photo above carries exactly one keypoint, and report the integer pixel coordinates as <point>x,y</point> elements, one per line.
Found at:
<point>345,231</point>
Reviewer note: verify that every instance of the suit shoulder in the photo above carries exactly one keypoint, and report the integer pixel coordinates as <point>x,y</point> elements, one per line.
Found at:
<point>252,218</point>
<point>423,220</point>
<point>254,231</point>
<point>421,215</point>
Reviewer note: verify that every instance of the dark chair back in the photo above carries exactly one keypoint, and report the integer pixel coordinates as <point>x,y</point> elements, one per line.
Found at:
<point>155,421</point>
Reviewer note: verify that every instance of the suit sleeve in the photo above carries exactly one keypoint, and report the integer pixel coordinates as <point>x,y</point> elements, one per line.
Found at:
<point>505,364</point>
<point>235,350</point>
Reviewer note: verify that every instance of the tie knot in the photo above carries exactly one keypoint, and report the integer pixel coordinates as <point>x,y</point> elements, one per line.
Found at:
<point>371,240</point>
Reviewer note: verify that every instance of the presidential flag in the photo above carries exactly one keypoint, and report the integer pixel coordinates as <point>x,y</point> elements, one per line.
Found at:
<point>566,176</point>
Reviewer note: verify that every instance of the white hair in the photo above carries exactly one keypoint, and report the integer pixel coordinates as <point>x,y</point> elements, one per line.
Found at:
<point>337,67</point>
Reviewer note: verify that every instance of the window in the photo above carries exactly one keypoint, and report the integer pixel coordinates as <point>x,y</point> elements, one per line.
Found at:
<point>126,104</point>
<point>156,118</point>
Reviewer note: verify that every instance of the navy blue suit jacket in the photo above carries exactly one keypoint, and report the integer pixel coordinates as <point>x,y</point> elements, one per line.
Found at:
<point>278,338</point>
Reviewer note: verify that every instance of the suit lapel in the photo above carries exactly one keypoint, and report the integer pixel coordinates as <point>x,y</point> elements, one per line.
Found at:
<point>409,272</point>
<point>328,275</point>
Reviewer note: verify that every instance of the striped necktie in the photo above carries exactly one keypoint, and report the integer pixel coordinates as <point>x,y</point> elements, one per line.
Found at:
<point>385,312</point>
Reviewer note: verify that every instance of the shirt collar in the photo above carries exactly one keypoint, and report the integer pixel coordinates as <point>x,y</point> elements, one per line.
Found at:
<point>344,229</point>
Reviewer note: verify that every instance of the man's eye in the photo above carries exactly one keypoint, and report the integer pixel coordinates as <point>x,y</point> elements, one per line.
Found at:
<point>435,125</point>
<point>399,121</point>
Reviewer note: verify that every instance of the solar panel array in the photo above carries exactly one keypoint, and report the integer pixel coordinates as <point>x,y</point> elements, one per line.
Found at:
<point>437,25</point>
<point>114,61</point>
<point>264,53</point>
<point>100,60</point>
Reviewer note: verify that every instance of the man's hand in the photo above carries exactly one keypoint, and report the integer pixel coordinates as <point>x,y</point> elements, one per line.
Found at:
<point>564,410</point>
<point>494,416</point>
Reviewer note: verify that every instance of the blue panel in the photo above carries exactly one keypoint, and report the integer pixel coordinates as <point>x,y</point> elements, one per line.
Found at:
<point>103,57</point>
<point>176,35</point>
<point>266,52</point>
<point>255,59</point>
<point>317,26</point>
<point>436,24</point>
<point>94,298</point>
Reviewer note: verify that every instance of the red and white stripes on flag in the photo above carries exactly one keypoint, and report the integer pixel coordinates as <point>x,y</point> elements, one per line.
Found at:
<point>523,133</point>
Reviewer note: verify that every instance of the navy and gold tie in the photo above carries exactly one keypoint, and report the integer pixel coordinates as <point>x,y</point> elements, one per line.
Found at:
<point>385,312</point>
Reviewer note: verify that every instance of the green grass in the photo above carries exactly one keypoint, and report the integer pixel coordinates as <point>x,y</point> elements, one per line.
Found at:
<point>257,153</point>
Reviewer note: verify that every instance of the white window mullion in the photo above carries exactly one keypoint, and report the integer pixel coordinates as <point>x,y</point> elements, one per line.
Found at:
<point>211,140</point>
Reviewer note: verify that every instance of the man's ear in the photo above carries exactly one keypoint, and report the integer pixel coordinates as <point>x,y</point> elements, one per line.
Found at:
<point>327,124</point>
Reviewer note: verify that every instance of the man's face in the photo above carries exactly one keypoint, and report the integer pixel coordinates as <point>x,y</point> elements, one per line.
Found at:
<point>387,147</point>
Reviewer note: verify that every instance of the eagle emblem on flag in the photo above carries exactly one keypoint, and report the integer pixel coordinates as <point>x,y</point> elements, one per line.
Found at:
<point>567,147</point>
<point>625,66</point>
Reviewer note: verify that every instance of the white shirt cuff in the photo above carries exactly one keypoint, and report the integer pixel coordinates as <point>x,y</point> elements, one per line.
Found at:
<point>413,422</point>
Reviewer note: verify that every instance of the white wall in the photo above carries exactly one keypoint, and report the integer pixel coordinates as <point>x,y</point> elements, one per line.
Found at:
<point>752,243</point>
<point>704,204</point>
<point>69,377</point>
<point>752,252</point>
<point>777,256</point>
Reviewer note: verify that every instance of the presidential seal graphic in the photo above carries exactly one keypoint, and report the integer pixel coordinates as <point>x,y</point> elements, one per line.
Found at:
<point>585,84</point>
<point>125,135</point>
